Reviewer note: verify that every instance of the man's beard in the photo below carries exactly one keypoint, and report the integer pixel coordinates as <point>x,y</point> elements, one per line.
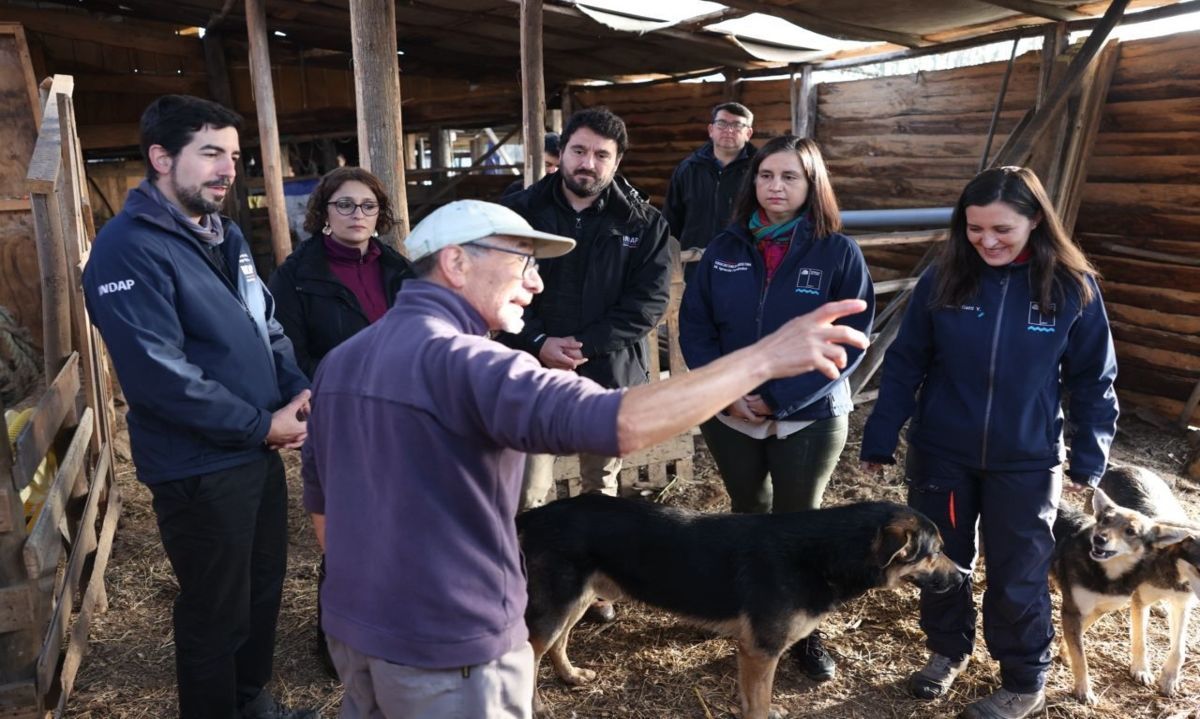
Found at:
<point>590,189</point>
<point>193,200</point>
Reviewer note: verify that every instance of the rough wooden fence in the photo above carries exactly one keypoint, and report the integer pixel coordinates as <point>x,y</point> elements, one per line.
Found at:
<point>52,567</point>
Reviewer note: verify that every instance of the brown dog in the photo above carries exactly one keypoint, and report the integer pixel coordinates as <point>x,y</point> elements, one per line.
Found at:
<point>1136,552</point>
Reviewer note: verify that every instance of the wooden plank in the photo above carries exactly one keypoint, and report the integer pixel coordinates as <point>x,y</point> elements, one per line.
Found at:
<point>86,541</point>
<point>52,267</point>
<point>889,286</point>
<point>93,602</point>
<point>38,435</point>
<point>1017,150</point>
<point>20,701</point>
<point>378,98</point>
<point>1074,168</point>
<point>16,608</point>
<point>43,546</point>
<point>26,70</point>
<point>17,205</point>
<point>893,239</point>
<point>47,154</point>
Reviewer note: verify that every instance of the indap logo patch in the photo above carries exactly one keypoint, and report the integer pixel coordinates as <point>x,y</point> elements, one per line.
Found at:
<point>808,281</point>
<point>630,241</point>
<point>118,286</point>
<point>1039,320</point>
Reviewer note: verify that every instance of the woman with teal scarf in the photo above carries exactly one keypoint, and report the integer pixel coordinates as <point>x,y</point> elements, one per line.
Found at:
<point>781,257</point>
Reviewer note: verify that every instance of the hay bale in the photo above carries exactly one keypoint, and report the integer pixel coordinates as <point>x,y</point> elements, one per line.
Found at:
<point>20,362</point>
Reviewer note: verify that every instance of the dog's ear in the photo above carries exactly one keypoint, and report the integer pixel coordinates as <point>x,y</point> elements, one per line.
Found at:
<point>1100,502</point>
<point>896,541</point>
<point>1164,535</point>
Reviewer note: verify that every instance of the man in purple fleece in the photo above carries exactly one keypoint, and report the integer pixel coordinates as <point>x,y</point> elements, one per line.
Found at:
<point>414,458</point>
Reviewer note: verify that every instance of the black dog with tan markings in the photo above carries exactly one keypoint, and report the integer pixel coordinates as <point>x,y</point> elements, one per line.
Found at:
<point>766,580</point>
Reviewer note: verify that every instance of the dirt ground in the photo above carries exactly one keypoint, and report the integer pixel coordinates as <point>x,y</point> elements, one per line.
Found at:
<point>649,664</point>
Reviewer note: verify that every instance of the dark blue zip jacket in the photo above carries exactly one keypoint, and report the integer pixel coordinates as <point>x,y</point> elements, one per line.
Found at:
<point>728,305</point>
<point>201,360</point>
<point>983,383</point>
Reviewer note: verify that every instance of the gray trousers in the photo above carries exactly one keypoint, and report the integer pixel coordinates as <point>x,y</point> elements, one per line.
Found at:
<point>776,475</point>
<point>378,689</point>
<point>596,474</point>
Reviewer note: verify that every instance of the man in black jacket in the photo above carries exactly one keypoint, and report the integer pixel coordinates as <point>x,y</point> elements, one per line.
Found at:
<point>704,186</point>
<point>601,300</point>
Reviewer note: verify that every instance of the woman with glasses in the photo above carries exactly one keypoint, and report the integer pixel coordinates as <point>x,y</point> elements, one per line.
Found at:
<point>339,280</point>
<point>342,278</point>
<point>781,257</point>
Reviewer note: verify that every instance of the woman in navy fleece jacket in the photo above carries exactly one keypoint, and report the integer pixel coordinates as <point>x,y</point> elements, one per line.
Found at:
<point>1007,320</point>
<point>782,257</point>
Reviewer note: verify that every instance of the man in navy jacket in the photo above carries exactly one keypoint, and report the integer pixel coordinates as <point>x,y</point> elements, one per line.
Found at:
<point>213,392</point>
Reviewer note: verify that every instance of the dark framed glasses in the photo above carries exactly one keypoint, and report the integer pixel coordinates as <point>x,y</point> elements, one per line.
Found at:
<point>531,262</point>
<point>725,125</point>
<point>346,206</point>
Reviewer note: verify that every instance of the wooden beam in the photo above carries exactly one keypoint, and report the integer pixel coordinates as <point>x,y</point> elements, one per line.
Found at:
<point>377,94</point>
<point>804,104</point>
<point>533,85</point>
<point>827,26</point>
<point>999,106</point>
<point>1023,139</point>
<point>1038,9</point>
<point>268,128</point>
<point>87,27</point>
<point>1072,174</point>
<point>699,22</point>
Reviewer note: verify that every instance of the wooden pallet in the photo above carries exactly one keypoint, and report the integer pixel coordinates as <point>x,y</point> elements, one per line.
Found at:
<point>650,470</point>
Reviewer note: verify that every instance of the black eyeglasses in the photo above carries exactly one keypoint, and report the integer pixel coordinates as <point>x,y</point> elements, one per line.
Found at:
<point>531,262</point>
<point>346,206</point>
<point>726,125</point>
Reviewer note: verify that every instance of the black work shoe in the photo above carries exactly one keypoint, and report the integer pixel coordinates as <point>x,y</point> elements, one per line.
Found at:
<point>813,659</point>
<point>935,678</point>
<point>601,612</point>
<point>264,706</point>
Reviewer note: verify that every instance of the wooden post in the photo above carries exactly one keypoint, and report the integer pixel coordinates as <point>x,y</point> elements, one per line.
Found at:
<point>804,104</point>
<point>533,90</point>
<point>377,93</point>
<point>222,92</point>
<point>268,128</point>
<point>556,120</point>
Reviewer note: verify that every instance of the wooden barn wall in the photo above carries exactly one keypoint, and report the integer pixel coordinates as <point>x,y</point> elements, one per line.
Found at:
<point>20,284</point>
<point>667,122</point>
<point>1143,192</point>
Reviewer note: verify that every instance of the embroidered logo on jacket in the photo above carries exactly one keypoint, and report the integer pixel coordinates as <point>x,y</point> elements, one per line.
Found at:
<point>1040,321</point>
<point>808,282</point>
<point>118,286</point>
<point>246,265</point>
<point>630,241</point>
<point>724,266</point>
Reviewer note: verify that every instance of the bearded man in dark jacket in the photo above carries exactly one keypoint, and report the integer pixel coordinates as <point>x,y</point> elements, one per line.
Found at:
<point>601,300</point>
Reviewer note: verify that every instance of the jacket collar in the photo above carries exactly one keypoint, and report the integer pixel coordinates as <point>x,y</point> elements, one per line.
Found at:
<point>705,155</point>
<point>140,204</point>
<point>446,304</point>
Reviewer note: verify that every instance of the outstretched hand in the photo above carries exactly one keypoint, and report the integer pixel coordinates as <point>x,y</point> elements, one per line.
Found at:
<point>812,342</point>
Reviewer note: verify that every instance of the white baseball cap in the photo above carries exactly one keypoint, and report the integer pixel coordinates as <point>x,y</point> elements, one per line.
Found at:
<point>466,221</point>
